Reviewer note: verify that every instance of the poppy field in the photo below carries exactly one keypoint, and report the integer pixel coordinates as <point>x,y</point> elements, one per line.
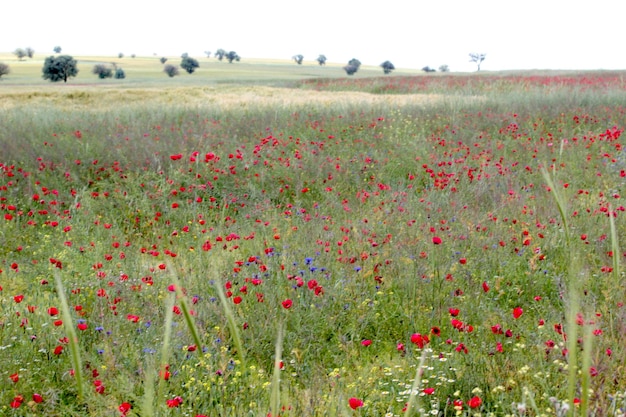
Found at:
<point>458,256</point>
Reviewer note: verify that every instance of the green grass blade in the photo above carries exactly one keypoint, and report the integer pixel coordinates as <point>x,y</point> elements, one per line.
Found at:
<point>275,393</point>
<point>167,336</point>
<point>73,338</point>
<point>232,324</point>
<point>414,398</point>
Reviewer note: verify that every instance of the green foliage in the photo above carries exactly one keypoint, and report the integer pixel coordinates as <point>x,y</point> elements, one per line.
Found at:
<point>57,49</point>
<point>387,67</point>
<point>30,52</point>
<point>189,64</point>
<point>120,55</point>
<point>232,56</point>
<point>351,69</point>
<point>102,71</point>
<point>59,68</point>
<point>220,54</point>
<point>171,70</point>
<point>298,59</point>
<point>444,68</point>
<point>20,53</point>
<point>4,69</point>
<point>355,63</point>
<point>321,59</point>
<point>163,60</point>
<point>119,74</point>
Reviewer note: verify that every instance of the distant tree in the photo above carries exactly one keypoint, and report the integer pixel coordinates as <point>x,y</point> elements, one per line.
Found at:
<point>220,54</point>
<point>321,59</point>
<point>232,56</point>
<point>444,68</point>
<point>298,58</point>
<point>4,69</point>
<point>20,53</point>
<point>171,70</point>
<point>184,55</point>
<point>387,67</point>
<point>208,54</point>
<point>163,60</point>
<point>57,49</point>
<point>120,55</point>
<point>102,71</point>
<point>132,55</point>
<point>119,74</point>
<point>189,64</point>
<point>477,58</point>
<point>350,69</point>
<point>57,68</point>
<point>30,52</point>
<point>428,69</point>
<point>355,62</point>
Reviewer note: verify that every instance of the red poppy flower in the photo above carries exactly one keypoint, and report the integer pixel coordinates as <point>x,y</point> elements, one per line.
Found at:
<point>474,402</point>
<point>14,377</point>
<point>133,318</point>
<point>437,240</point>
<point>174,402</point>
<point>287,304</point>
<point>419,340</point>
<point>53,311</point>
<point>355,403</point>
<point>124,408</point>
<point>517,312</point>
<point>37,398</point>
<point>17,401</point>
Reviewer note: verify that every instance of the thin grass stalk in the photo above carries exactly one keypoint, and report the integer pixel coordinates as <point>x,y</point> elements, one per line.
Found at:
<point>184,306</point>
<point>73,339</point>
<point>148,398</point>
<point>616,264</point>
<point>586,365</point>
<point>559,202</point>
<point>232,324</point>
<point>614,247</point>
<point>275,393</point>
<point>167,336</point>
<point>573,296</point>
<point>414,401</point>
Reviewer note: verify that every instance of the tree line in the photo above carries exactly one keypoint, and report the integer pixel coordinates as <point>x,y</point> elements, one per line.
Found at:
<point>62,67</point>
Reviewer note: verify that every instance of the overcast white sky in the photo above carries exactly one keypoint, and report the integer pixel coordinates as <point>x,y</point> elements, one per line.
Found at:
<point>529,34</point>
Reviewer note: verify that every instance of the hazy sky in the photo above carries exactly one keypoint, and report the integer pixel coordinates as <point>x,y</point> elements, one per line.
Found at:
<point>543,34</point>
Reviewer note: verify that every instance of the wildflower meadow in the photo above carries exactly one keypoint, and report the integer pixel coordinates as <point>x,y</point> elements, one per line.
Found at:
<point>441,244</point>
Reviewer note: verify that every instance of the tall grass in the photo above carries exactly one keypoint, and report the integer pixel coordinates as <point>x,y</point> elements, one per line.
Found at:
<point>303,236</point>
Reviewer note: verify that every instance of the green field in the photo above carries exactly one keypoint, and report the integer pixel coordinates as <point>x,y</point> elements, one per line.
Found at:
<point>262,238</point>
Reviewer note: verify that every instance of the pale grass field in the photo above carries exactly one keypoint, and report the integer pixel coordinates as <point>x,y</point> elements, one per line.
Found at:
<point>225,96</point>
<point>246,84</point>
